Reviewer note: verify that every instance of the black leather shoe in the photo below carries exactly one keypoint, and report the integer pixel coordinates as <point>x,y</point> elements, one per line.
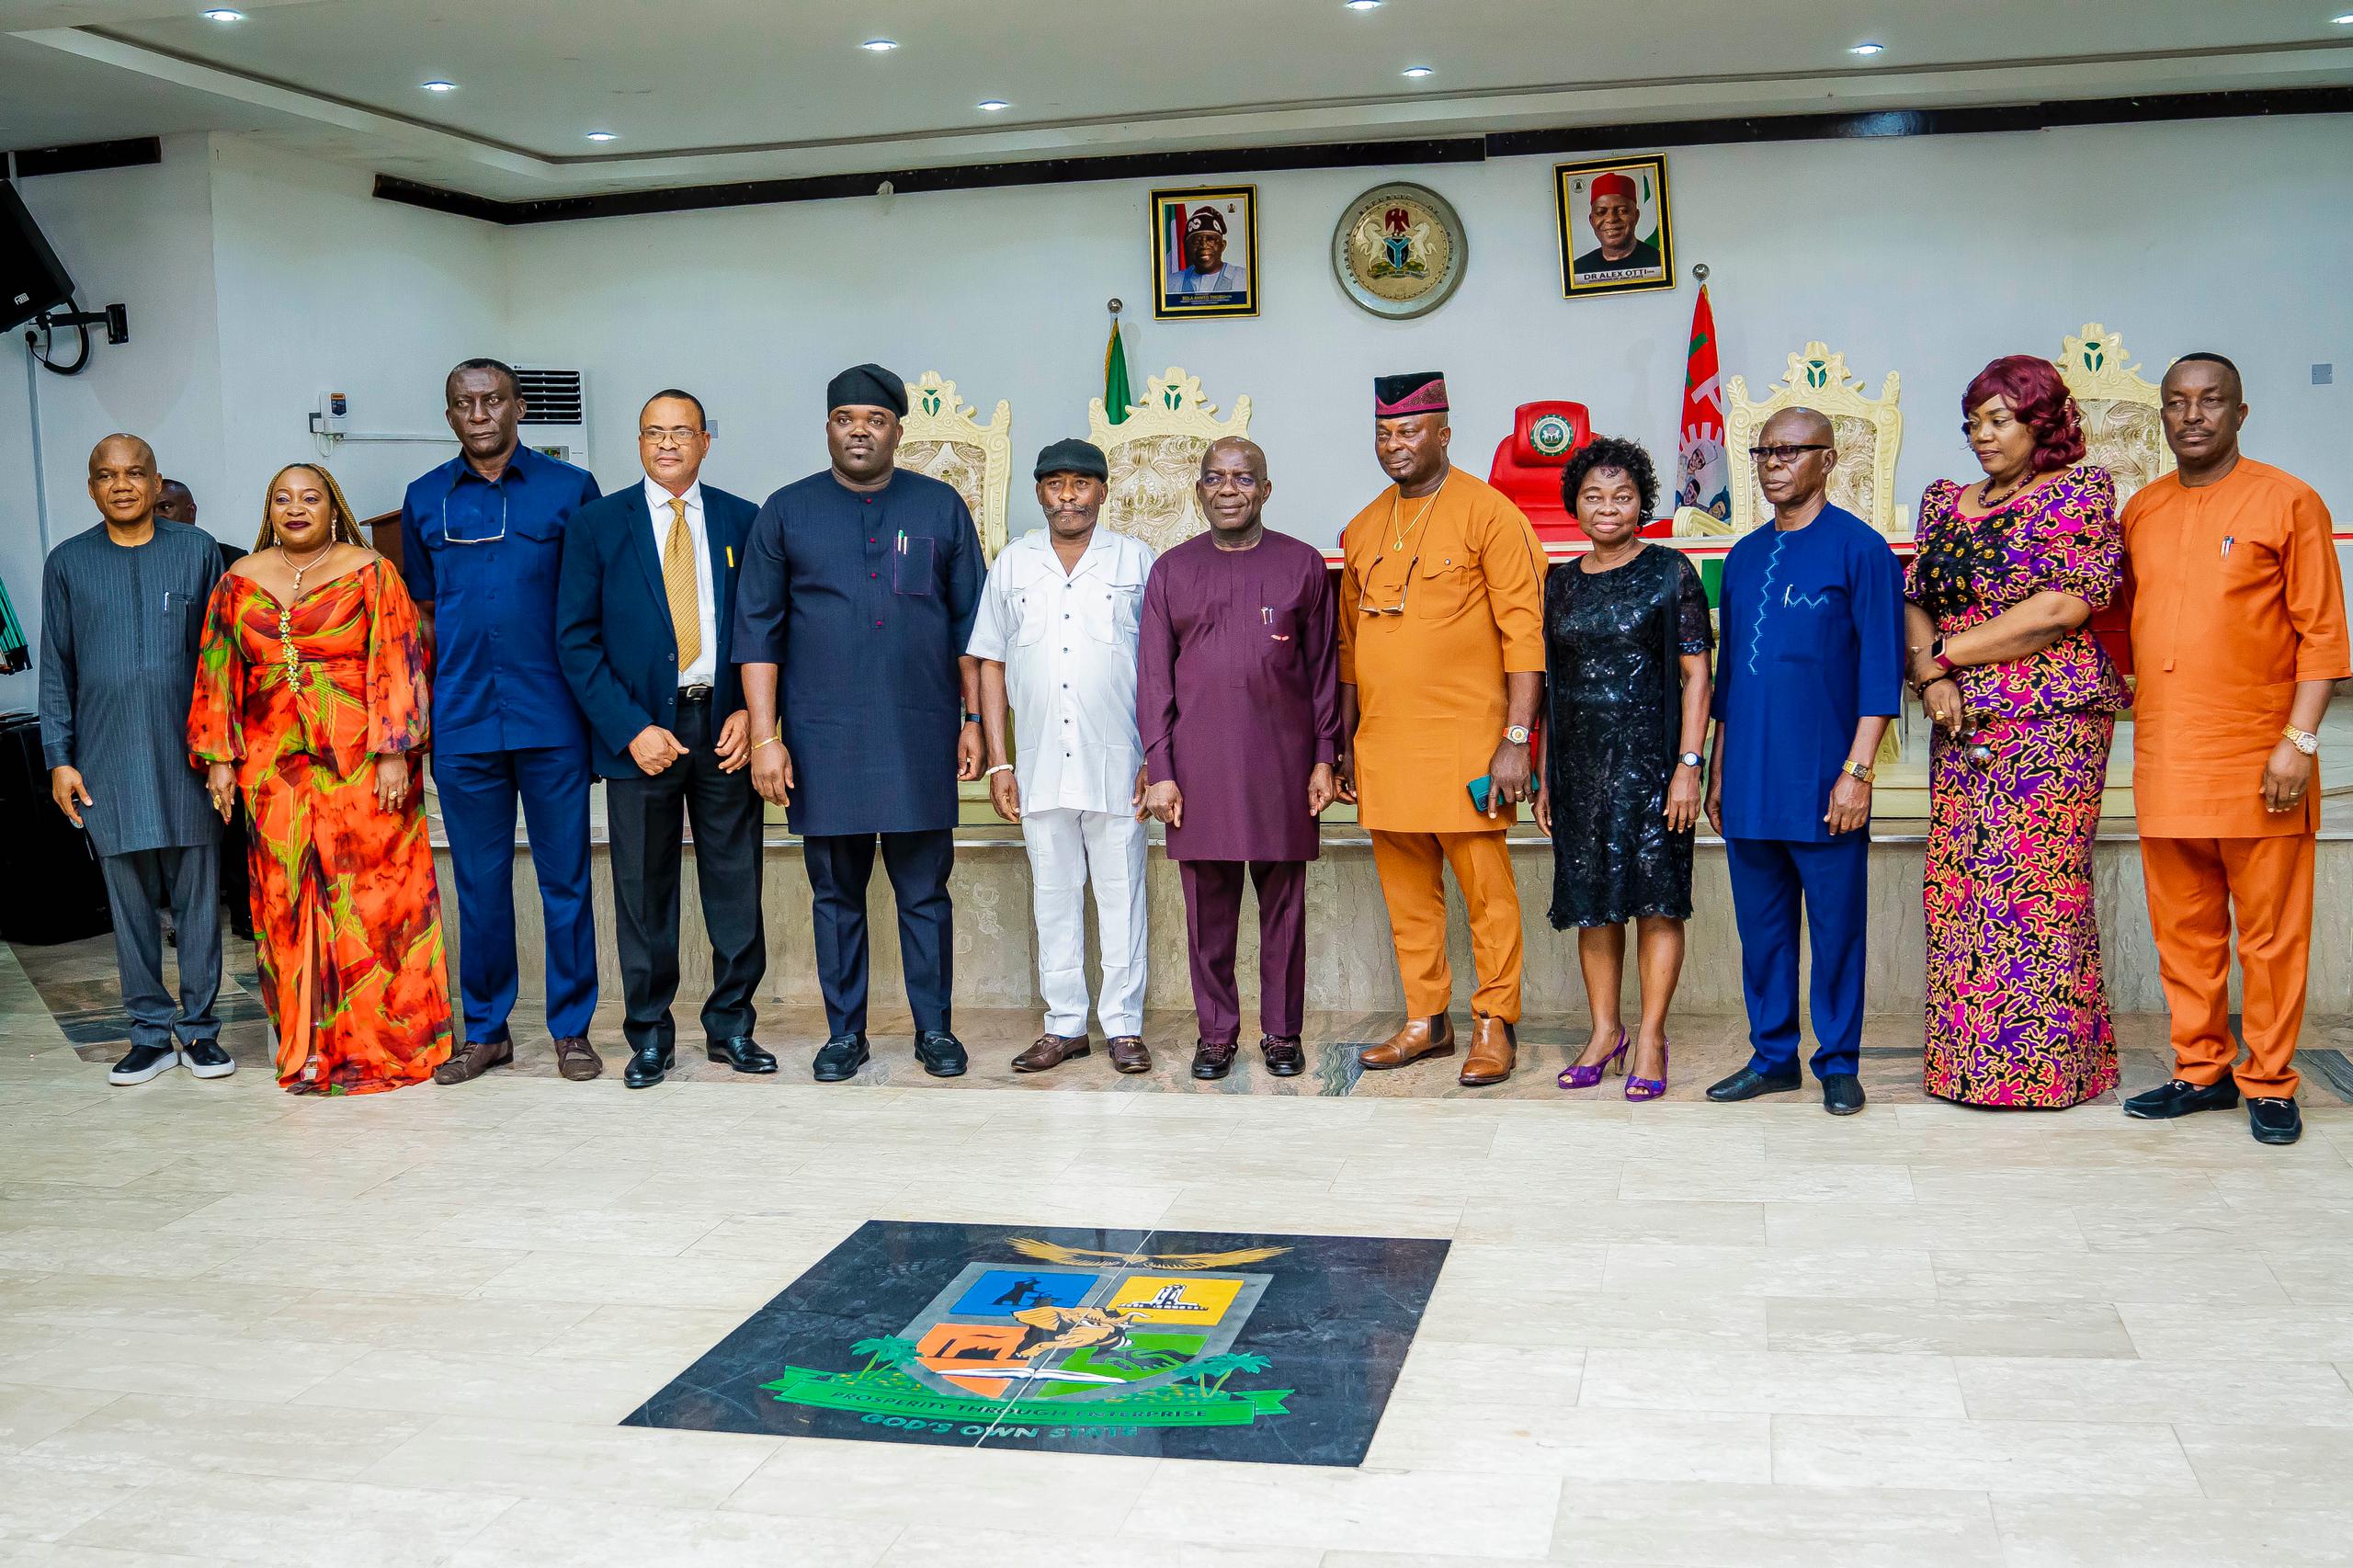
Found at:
<point>1213,1062</point>
<point>1842,1093</point>
<point>839,1058</point>
<point>2180,1097</point>
<point>1285,1059</point>
<point>743,1053</point>
<point>647,1063</point>
<point>2274,1121</point>
<point>941,1053</point>
<point>1748,1083</point>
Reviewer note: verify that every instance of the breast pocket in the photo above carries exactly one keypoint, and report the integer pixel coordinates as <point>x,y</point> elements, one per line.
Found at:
<point>1031,614</point>
<point>1444,587</point>
<point>1110,609</point>
<point>183,620</point>
<point>1813,618</point>
<point>912,566</point>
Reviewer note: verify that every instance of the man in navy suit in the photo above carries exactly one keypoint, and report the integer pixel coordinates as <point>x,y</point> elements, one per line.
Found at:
<point>645,617</point>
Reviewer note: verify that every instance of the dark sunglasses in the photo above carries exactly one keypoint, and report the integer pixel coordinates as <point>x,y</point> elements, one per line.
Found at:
<point>1785,454</point>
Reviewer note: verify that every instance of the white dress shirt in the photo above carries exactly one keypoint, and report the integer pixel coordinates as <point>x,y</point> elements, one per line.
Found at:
<point>705,669</point>
<point>1068,644</point>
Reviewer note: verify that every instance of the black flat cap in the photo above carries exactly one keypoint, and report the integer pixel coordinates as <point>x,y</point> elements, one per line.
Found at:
<point>866,386</point>
<point>1072,457</point>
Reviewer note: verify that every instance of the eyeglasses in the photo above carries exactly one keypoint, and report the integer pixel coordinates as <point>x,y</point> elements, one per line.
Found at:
<point>667,434</point>
<point>468,539</point>
<point>1787,454</point>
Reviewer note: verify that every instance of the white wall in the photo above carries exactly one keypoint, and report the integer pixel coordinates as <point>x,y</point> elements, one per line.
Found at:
<point>1926,256</point>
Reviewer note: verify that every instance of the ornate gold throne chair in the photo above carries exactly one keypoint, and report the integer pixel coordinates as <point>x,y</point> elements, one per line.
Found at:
<point>2124,431</point>
<point>943,440</point>
<point>1156,456</point>
<point>1870,434</point>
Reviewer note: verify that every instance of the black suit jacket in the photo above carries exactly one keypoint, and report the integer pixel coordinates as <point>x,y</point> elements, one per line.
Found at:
<point>613,633</point>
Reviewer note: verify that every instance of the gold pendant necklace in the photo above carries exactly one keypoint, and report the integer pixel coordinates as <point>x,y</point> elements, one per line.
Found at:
<point>1398,535</point>
<point>286,607</point>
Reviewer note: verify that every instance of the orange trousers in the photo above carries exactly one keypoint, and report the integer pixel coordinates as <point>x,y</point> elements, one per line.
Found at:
<point>2196,885</point>
<point>1413,883</point>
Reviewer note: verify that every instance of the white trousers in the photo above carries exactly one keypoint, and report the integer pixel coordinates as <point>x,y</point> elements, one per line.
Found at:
<point>1066,849</point>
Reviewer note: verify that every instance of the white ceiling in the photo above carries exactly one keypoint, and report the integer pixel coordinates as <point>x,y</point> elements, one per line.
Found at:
<point>702,90</point>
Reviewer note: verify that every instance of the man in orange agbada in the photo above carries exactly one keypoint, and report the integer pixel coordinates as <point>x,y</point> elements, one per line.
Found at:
<point>1441,666</point>
<point>2238,633</point>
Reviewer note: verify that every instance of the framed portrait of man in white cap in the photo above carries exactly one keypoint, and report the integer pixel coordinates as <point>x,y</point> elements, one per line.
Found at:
<point>1617,234</point>
<point>1205,252</point>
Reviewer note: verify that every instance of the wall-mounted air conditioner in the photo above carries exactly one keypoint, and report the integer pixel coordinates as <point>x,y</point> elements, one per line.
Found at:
<point>555,411</point>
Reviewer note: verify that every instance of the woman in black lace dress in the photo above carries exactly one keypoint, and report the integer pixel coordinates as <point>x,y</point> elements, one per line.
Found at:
<point>1627,638</point>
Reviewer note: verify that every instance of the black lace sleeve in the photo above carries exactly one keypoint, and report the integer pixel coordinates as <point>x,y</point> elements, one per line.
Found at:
<point>1695,628</point>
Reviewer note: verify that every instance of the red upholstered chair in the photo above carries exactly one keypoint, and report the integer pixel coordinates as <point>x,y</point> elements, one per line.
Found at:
<point>1528,463</point>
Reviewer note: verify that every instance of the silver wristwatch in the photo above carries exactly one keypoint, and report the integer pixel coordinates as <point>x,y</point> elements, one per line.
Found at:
<point>1692,759</point>
<point>1517,735</point>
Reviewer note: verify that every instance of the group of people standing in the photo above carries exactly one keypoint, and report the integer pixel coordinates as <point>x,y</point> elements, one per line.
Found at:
<point>843,652</point>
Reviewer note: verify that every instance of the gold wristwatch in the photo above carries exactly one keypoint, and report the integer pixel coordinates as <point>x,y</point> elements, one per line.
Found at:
<point>2303,740</point>
<point>1854,769</point>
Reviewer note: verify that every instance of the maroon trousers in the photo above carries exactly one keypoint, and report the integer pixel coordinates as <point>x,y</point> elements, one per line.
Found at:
<point>1212,918</point>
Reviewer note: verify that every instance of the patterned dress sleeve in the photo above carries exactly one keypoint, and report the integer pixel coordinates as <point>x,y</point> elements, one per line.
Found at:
<point>1936,506</point>
<point>2080,547</point>
<point>1695,632</point>
<point>215,714</point>
<point>398,702</point>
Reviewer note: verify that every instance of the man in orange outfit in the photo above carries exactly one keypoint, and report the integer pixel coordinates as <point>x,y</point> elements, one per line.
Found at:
<point>1441,666</point>
<point>2238,633</point>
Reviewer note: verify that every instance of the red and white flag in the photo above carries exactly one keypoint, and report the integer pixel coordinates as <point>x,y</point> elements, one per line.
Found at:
<point>1702,476</point>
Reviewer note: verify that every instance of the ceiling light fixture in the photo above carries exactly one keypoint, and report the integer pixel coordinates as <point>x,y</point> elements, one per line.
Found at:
<point>880,45</point>
<point>1364,4</point>
<point>439,87</point>
<point>224,15</point>
<point>1867,49</point>
<point>603,136</point>
<point>1418,72</point>
<point>2344,21</point>
<point>993,106</point>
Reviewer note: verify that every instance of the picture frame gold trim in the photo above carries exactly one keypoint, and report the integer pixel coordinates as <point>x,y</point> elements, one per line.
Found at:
<point>1653,164</point>
<point>1169,307</point>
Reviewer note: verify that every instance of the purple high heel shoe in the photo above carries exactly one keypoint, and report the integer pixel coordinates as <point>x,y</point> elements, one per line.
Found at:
<point>1576,1077</point>
<point>1649,1088</point>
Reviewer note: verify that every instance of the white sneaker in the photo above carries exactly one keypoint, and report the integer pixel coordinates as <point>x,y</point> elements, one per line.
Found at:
<point>145,1064</point>
<point>207,1060</point>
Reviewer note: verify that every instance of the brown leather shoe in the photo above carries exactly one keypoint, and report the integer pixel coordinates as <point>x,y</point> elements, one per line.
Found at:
<point>1128,1054</point>
<point>1213,1061</point>
<point>473,1059</point>
<point>1284,1058</point>
<point>1495,1050</point>
<point>1051,1051</point>
<point>1432,1036</point>
<point>576,1059</point>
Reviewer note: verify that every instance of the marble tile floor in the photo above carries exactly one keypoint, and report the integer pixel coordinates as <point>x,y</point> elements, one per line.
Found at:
<point>240,1327</point>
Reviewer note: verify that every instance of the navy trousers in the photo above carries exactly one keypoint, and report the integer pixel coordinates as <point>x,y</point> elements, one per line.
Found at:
<point>477,792</point>
<point>919,863</point>
<point>139,885</point>
<point>1773,881</point>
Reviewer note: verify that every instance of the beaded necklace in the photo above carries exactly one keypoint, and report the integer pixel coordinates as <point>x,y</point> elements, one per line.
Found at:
<point>286,609</point>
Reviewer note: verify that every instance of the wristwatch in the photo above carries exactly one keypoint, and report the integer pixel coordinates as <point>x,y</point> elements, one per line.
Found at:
<point>2303,740</point>
<point>971,718</point>
<point>1692,759</point>
<point>1854,769</point>
<point>1517,735</point>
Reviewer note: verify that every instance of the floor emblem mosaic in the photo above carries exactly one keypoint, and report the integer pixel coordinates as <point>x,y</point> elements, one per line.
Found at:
<point>1274,1349</point>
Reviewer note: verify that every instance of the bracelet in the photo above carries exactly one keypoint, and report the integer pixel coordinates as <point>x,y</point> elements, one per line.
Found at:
<point>765,741</point>
<point>1000,767</point>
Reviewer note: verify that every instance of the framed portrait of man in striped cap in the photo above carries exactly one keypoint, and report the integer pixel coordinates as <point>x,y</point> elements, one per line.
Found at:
<point>1205,252</point>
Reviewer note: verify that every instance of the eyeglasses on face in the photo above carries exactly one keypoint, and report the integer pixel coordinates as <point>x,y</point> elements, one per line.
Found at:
<point>667,434</point>
<point>1787,454</point>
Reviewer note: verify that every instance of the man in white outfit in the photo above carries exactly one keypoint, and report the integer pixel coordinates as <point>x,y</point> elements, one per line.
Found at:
<point>1056,637</point>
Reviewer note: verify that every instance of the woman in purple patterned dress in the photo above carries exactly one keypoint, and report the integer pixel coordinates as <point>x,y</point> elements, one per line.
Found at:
<point>2001,595</point>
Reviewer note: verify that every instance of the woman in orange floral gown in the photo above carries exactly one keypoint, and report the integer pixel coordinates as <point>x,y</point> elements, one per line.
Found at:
<point>311,703</point>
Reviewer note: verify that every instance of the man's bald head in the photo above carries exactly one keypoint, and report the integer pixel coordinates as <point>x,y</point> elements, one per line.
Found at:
<point>121,449</point>
<point>1240,445</point>
<point>1799,426</point>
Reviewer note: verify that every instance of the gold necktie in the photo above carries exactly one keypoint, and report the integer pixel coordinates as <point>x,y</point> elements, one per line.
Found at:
<point>678,582</point>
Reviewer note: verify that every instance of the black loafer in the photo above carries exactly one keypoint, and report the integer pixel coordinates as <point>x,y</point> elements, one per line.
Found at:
<point>207,1060</point>
<point>839,1058</point>
<point>743,1053</point>
<point>1842,1093</point>
<point>2181,1097</point>
<point>647,1063</point>
<point>1285,1059</point>
<point>2274,1121</point>
<point>941,1053</point>
<point>1213,1062</point>
<point>1748,1083</point>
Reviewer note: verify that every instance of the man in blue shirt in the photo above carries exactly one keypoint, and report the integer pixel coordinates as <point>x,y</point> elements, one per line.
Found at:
<point>482,539</point>
<point>853,609</point>
<point>1809,671</point>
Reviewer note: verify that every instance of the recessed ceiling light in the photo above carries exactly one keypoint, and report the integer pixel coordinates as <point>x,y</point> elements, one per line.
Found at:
<point>1364,4</point>
<point>2344,21</point>
<point>1869,48</point>
<point>439,87</point>
<point>993,106</point>
<point>224,15</point>
<point>1418,72</point>
<point>603,136</point>
<point>880,45</point>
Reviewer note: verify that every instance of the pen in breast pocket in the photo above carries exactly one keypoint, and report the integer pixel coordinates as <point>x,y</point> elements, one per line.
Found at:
<point>2228,540</point>
<point>902,541</point>
<point>1267,615</point>
<point>731,558</point>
